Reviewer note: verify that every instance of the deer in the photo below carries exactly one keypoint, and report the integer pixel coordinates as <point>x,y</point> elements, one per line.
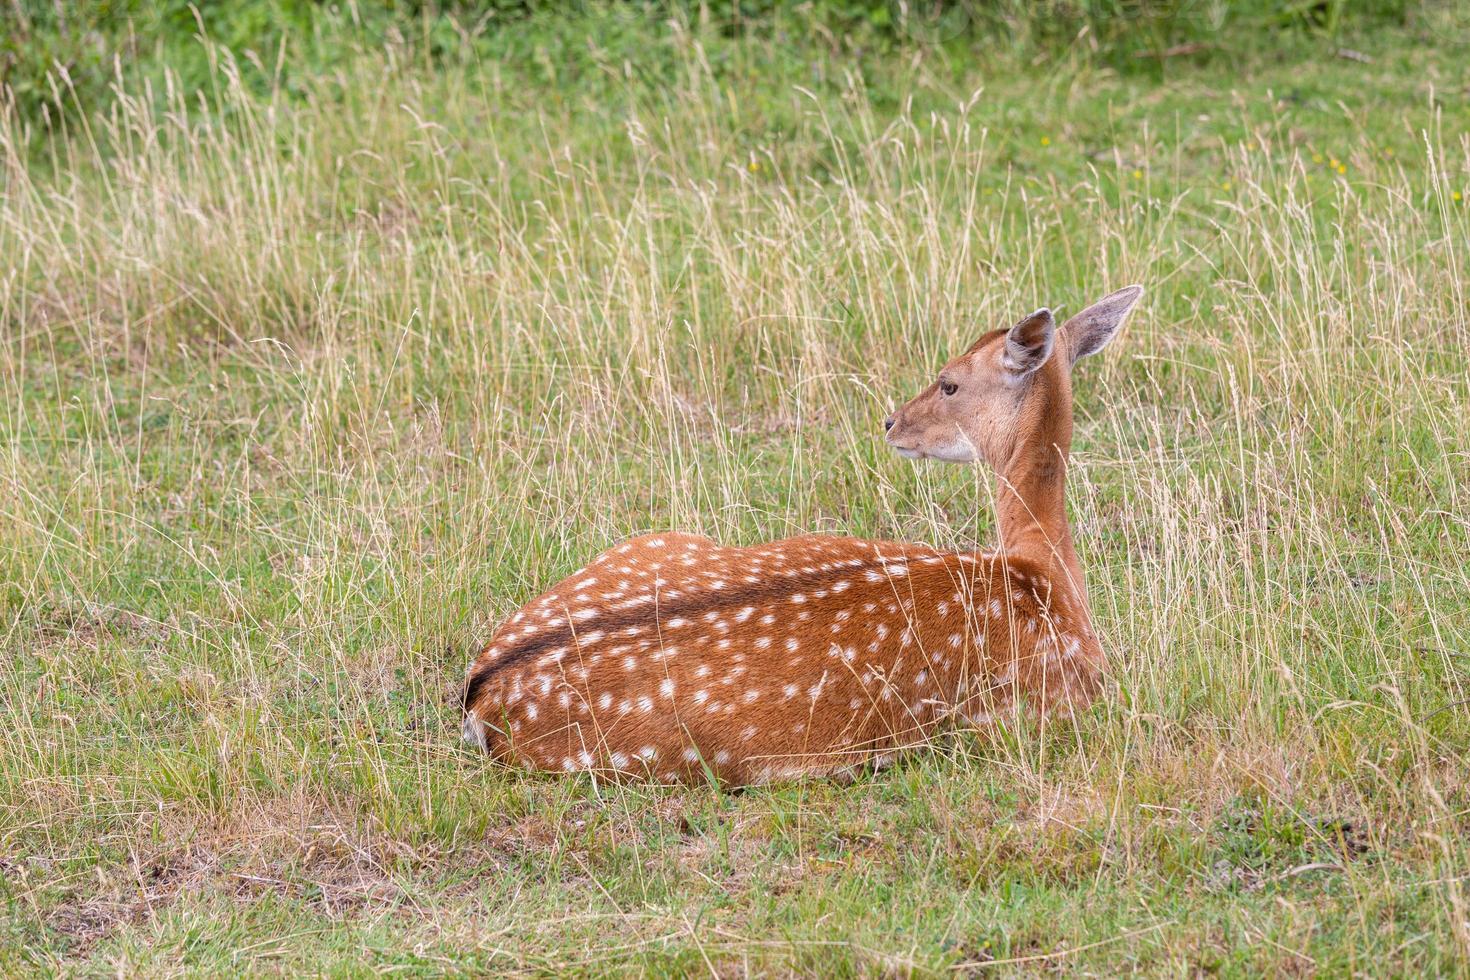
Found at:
<point>673,658</point>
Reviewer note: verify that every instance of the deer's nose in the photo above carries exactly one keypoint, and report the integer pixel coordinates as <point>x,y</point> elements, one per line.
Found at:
<point>888,423</point>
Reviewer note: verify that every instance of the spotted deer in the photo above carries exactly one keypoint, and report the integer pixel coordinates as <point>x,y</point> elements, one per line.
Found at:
<point>676,658</point>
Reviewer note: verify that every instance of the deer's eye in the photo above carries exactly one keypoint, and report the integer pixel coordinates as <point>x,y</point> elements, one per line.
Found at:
<point>948,387</point>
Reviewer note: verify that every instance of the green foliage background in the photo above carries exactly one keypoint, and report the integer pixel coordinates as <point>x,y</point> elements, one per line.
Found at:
<point>67,55</point>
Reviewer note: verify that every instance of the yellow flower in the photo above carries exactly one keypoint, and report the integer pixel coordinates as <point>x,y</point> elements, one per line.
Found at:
<point>1342,168</point>
<point>1225,185</point>
<point>754,166</point>
<point>1456,195</point>
<point>1333,163</point>
<point>1137,174</point>
<point>1046,141</point>
<point>1316,158</point>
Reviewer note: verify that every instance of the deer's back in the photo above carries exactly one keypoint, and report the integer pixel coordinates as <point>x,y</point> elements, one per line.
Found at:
<point>674,656</point>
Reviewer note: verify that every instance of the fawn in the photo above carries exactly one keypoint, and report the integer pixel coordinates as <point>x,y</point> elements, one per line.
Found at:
<point>673,657</point>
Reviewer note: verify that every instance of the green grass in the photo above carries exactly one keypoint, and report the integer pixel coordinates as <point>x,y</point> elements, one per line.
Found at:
<point>301,391</point>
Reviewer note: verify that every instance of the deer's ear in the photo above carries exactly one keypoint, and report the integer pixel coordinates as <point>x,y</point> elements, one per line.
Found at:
<point>1090,330</point>
<point>1029,343</point>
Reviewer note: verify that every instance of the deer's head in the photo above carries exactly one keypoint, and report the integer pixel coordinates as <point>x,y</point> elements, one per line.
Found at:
<point>985,402</point>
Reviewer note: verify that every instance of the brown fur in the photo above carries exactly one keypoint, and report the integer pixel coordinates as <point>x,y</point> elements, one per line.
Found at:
<point>672,656</point>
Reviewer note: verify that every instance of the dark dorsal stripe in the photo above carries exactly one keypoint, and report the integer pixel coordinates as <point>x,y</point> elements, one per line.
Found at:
<point>690,605</point>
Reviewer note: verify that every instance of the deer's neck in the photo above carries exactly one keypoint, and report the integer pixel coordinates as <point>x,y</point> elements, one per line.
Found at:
<point>1031,506</point>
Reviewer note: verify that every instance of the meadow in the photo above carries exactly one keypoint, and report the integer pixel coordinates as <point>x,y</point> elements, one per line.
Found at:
<point>305,383</point>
